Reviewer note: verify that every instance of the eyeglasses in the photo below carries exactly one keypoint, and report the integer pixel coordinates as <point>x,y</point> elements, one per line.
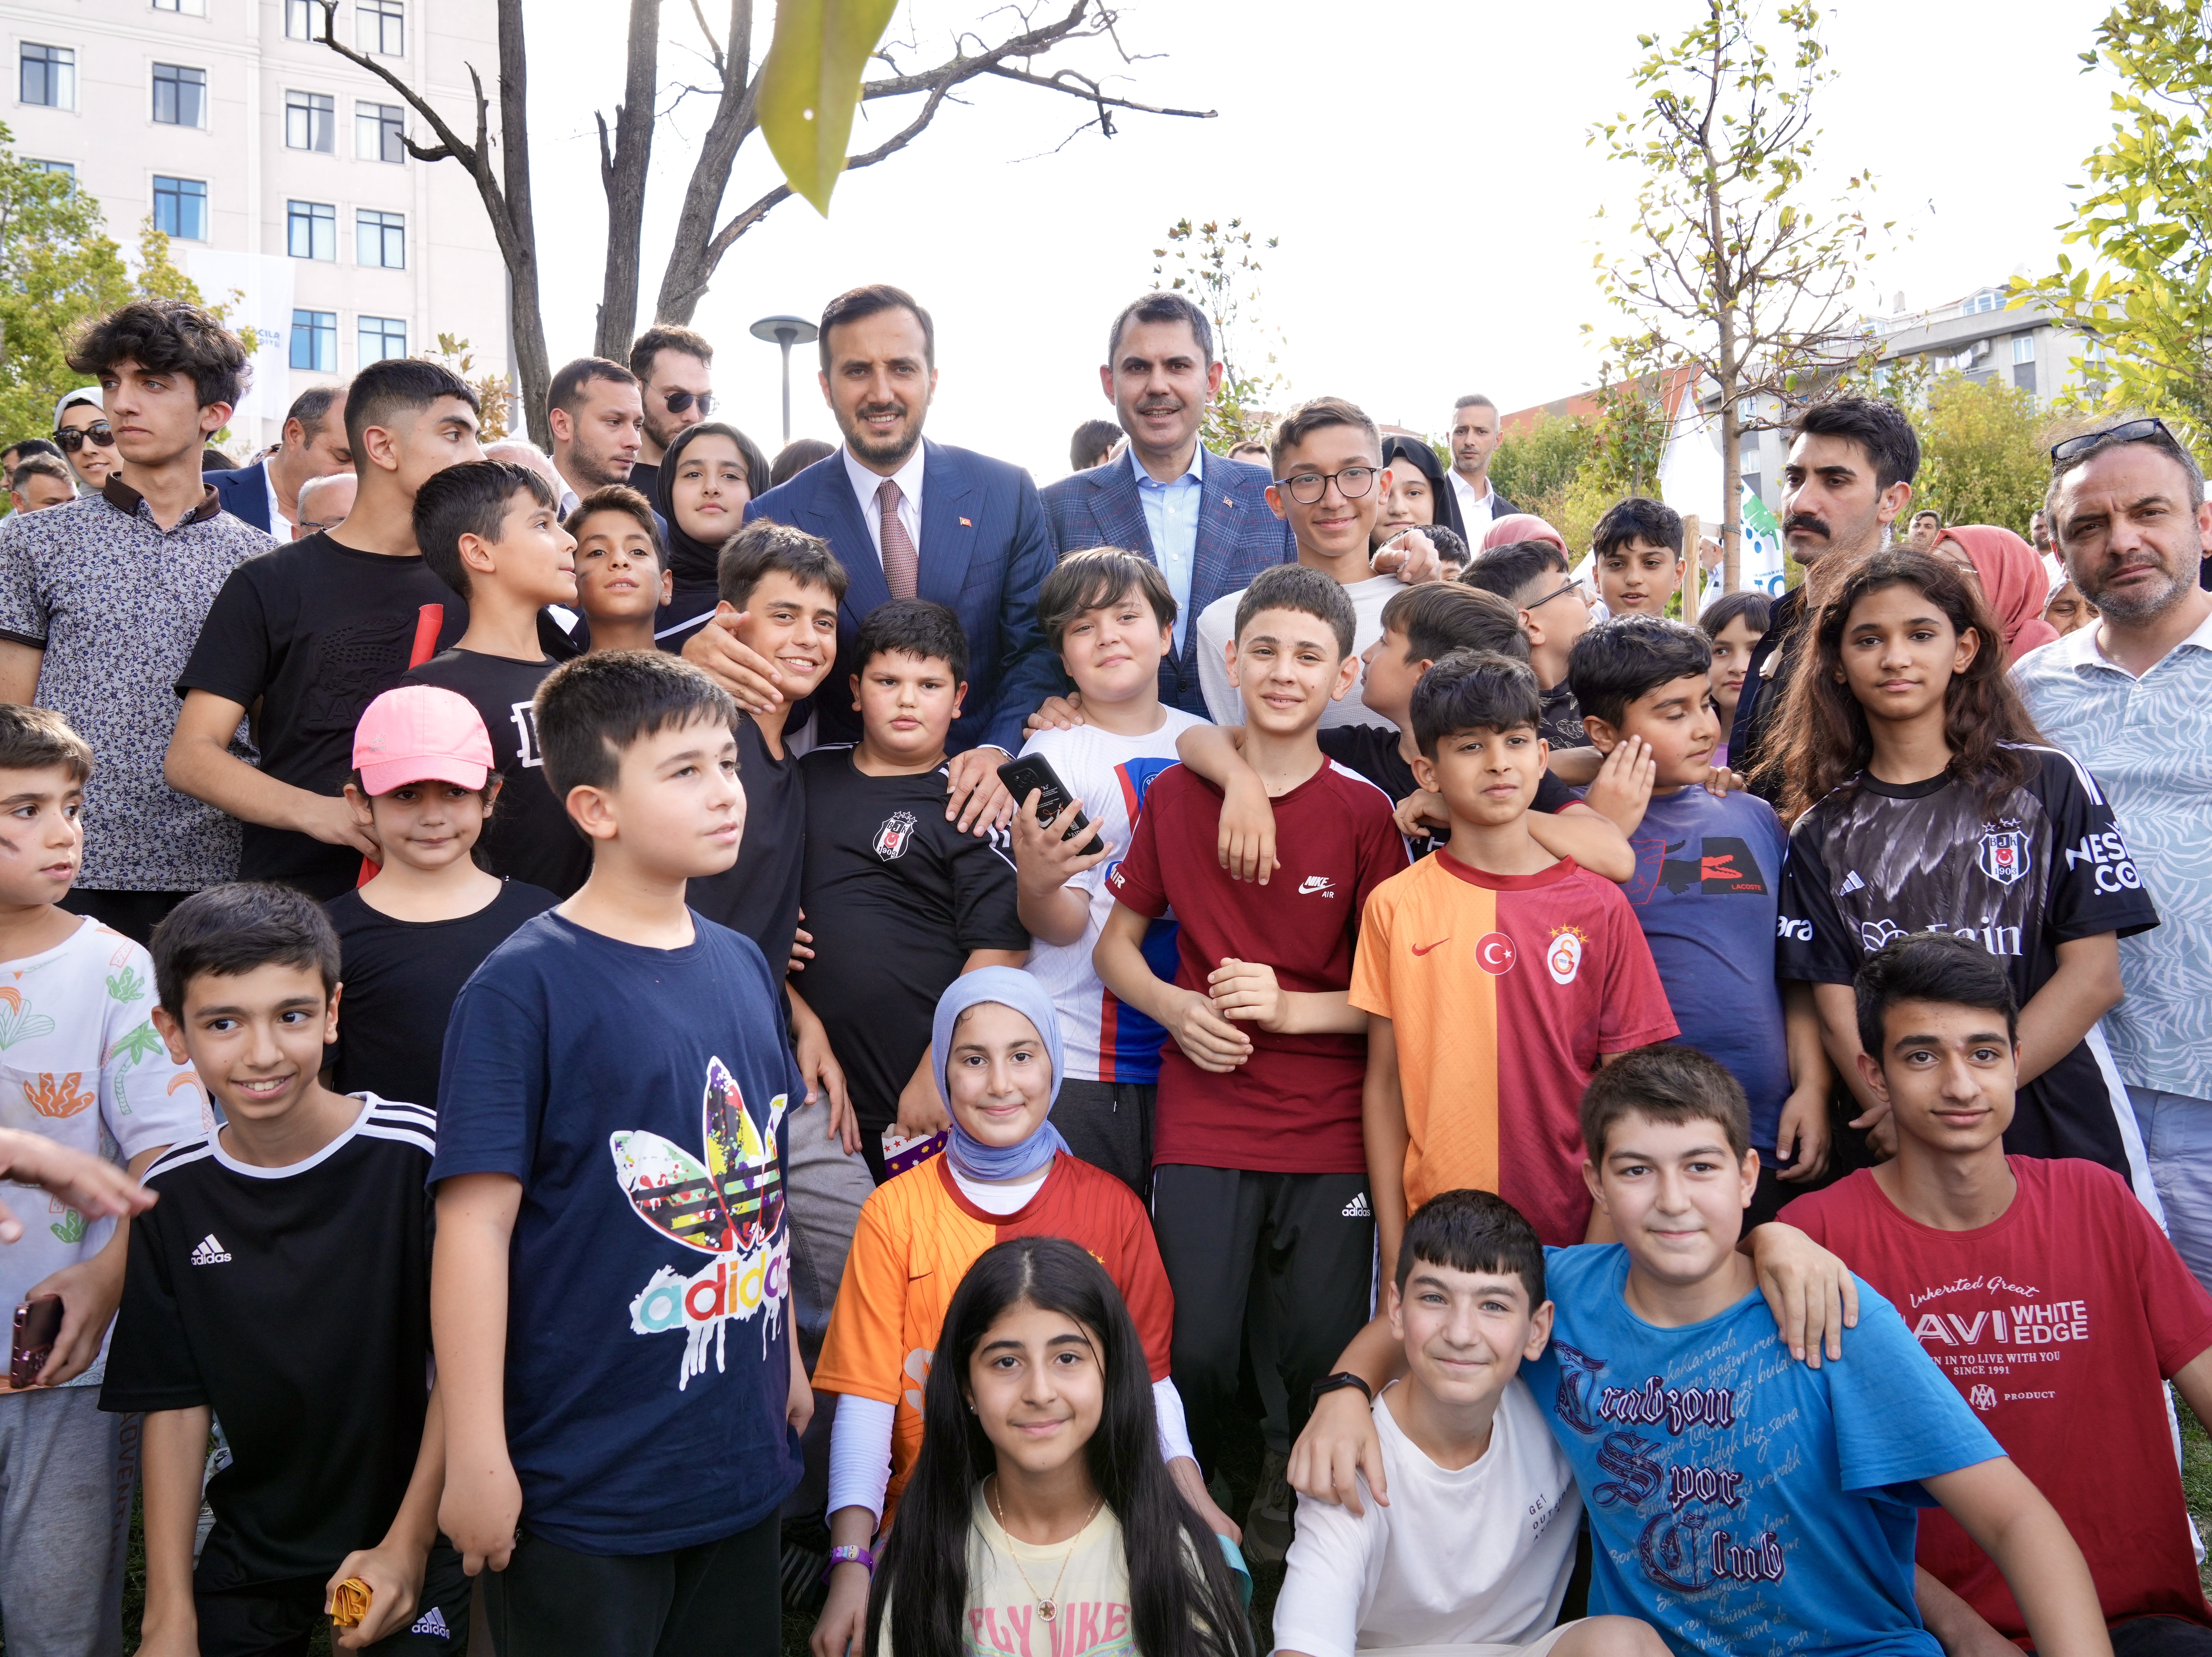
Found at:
<point>71,438</point>
<point>313,528</point>
<point>2131,431</point>
<point>1307,487</point>
<point>1575,588</point>
<point>679,401</point>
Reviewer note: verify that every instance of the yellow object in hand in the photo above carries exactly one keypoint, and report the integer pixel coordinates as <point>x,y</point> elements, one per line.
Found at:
<point>349,1603</point>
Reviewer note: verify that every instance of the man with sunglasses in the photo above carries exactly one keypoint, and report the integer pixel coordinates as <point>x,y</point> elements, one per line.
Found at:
<point>2131,696</point>
<point>84,437</point>
<point>675,370</point>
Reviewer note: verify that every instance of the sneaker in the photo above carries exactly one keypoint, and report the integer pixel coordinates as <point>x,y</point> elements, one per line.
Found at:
<point>805,1557</point>
<point>1271,1520</point>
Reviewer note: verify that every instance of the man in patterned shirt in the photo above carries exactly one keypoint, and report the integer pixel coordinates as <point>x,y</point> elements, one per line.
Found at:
<point>2131,694</point>
<point>101,598</point>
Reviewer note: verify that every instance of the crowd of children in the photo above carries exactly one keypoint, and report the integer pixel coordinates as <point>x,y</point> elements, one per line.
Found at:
<point>588,1078</point>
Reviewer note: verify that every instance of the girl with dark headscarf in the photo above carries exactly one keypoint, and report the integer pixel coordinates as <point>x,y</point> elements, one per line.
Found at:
<point>709,473</point>
<point>1429,490</point>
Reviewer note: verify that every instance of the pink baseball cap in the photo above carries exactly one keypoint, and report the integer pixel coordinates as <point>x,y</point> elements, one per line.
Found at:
<point>419,733</point>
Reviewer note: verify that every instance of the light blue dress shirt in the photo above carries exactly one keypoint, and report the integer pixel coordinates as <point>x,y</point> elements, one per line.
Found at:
<point>1171,519</point>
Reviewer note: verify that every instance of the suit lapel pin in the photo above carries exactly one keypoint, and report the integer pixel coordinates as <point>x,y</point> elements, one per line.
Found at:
<point>965,524</point>
<point>1227,501</point>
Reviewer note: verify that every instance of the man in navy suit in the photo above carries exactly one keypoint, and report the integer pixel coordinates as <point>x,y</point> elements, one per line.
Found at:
<point>266,494</point>
<point>910,518</point>
<point>1203,519</point>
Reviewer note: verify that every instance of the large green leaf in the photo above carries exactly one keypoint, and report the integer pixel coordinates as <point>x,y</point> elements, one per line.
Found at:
<point>811,85</point>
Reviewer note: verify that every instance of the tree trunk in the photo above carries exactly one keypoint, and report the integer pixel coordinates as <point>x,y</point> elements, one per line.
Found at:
<point>690,265</point>
<point>533,374</point>
<point>623,174</point>
<point>1731,488</point>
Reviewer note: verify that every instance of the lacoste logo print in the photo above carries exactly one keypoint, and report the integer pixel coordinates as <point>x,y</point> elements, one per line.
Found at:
<point>1423,949</point>
<point>432,1621</point>
<point>209,1252</point>
<point>1316,883</point>
<point>1357,1209</point>
<point>1852,882</point>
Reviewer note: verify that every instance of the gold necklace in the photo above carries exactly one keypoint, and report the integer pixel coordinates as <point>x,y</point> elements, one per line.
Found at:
<point>1048,1604</point>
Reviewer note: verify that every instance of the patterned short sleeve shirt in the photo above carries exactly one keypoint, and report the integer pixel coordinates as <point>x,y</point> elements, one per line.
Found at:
<point>115,601</point>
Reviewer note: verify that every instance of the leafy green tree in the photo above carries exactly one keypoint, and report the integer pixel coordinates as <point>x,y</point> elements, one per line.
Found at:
<point>1534,466</point>
<point>57,268</point>
<point>1217,266</point>
<point>1981,461</point>
<point>2143,291</point>
<point>1726,268</point>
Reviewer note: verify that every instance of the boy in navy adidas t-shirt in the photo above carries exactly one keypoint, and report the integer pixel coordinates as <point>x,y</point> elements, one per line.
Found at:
<point>282,1286</point>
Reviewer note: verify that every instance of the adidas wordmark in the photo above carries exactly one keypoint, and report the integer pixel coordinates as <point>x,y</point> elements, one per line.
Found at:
<point>209,1252</point>
<point>1357,1209</point>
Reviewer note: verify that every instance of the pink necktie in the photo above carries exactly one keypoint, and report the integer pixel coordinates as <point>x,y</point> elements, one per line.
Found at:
<point>901,563</point>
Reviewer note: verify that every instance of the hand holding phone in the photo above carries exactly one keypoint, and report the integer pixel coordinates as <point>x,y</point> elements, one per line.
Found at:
<point>38,1323</point>
<point>1033,774</point>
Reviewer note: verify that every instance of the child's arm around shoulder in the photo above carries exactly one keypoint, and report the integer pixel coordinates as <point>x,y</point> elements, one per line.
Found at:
<point>482,1500</point>
<point>1246,845</point>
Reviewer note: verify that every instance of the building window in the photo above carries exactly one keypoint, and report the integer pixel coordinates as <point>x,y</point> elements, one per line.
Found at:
<point>2023,347</point>
<point>49,76</point>
<point>382,337</point>
<point>1987,299</point>
<point>184,7</point>
<point>180,208</point>
<point>2023,375</point>
<point>381,27</point>
<point>381,240</point>
<point>303,19</point>
<point>67,169</point>
<point>179,95</point>
<point>376,132</point>
<point>315,341</point>
<point>311,230</point>
<point>311,121</point>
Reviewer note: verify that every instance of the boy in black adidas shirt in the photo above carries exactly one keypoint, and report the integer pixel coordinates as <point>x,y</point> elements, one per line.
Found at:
<point>281,1285</point>
<point>899,900</point>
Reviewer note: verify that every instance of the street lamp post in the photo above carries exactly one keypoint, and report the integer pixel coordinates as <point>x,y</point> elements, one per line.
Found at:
<point>786,331</point>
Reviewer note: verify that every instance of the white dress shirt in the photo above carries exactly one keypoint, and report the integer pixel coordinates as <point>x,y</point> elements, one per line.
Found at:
<point>865,483</point>
<point>279,525</point>
<point>1475,511</point>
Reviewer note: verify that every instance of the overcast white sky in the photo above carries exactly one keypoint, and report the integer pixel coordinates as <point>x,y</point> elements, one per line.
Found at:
<point>1424,166</point>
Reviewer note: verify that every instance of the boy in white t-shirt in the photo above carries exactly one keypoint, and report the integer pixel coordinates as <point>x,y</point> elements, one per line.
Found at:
<point>1111,617</point>
<point>80,1066</point>
<point>1472,1553</point>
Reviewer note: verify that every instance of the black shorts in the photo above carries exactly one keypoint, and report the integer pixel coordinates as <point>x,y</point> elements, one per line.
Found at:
<point>714,1600</point>
<point>274,1619</point>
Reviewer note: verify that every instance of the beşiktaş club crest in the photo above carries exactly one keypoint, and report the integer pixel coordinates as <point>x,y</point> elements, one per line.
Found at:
<point>894,836</point>
<point>2003,854</point>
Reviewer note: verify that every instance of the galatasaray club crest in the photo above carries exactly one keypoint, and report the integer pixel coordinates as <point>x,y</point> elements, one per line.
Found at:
<point>1562,957</point>
<point>894,836</point>
<point>2003,854</point>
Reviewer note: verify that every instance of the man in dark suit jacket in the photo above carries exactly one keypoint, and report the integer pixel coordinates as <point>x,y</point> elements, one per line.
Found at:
<point>1203,519</point>
<point>913,520</point>
<point>314,446</point>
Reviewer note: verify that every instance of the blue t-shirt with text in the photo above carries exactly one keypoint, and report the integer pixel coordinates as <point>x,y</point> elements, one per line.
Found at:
<point>640,1095</point>
<point>1738,1500</point>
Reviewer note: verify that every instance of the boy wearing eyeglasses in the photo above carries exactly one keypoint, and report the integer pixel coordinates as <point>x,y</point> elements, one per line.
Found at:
<point>1329,486</point>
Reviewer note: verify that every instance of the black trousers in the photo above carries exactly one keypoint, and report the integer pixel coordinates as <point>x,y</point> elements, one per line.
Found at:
<point>1305,1241</point>
<point>134,914</point>
<point>715,1600</point>
<point>276,1619</point>
<point>1108,1125</point>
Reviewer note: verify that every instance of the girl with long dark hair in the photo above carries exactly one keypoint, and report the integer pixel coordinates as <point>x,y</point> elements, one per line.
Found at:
<point>1922,799</point>
<point>1040,1518</point>
<point>707,477</point>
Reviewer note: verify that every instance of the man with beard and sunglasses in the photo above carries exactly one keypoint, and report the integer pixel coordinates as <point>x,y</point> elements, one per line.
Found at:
<point>84,437</point>
<point>675,370</point>
<point>1203,519</point>
<point>2130,694</point>
<point>1850,474</point>
<point>911,520</point>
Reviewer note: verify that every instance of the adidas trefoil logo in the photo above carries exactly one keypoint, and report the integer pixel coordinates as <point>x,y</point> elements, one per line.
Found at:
<point>209,1252</point>
<point>1852,883</point>
<point>1357,1209</point>
<point>432,1621</point>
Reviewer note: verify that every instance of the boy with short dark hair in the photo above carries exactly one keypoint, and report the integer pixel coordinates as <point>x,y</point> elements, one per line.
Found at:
<point>1638,548</point>
<point>1110,615</point>
<point>228,1310</point>
<point>1533,577</point>
<point>1477,1543</point>
<point>85,1072</point>
<point>491,531</point>
<point>610,1176</point>
<point>623,576</point>
<point>1707,887</point>
<point>900,902</point>
<point>1259,1171</point>
<point>2042,1288</point>
<point>1497,979</point>
<point>319,628</point>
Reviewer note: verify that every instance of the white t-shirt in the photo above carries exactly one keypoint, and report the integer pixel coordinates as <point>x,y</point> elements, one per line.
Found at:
<point>1217,631</point>
<point>1477,1559</point>
<point>81,1064</point>
<point>1105,1041</point>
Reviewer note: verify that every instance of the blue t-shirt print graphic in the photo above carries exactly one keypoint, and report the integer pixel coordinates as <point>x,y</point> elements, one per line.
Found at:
<point>728,1207</point>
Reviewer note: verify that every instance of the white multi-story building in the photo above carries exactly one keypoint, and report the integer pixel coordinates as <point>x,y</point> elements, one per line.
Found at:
<point>276,168</point>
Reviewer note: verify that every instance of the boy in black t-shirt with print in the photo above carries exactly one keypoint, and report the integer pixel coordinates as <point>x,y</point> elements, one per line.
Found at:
<point>282,1285</point>
<point>490,530</point>
<point>317,630</point>
<point>900,902</point>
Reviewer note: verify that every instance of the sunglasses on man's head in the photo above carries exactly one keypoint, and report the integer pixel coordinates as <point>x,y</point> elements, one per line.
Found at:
<point>680,401</point>
<point>2131,431</point>
<point>71,438</point>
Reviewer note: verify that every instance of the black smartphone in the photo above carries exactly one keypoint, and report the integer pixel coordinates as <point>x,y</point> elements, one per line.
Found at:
<point>1035,772</point>
<point>37,1323</point>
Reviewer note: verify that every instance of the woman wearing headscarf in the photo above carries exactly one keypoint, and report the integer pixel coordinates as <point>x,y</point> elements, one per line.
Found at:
<point>1005,1172</point>
<point>1521,527</point>
<point>1418,477</point>
<point>708,474</point>
<point>2012,580</point>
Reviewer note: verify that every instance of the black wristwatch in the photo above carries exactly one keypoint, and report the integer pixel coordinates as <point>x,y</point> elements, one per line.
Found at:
<point>1341,1377</point>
